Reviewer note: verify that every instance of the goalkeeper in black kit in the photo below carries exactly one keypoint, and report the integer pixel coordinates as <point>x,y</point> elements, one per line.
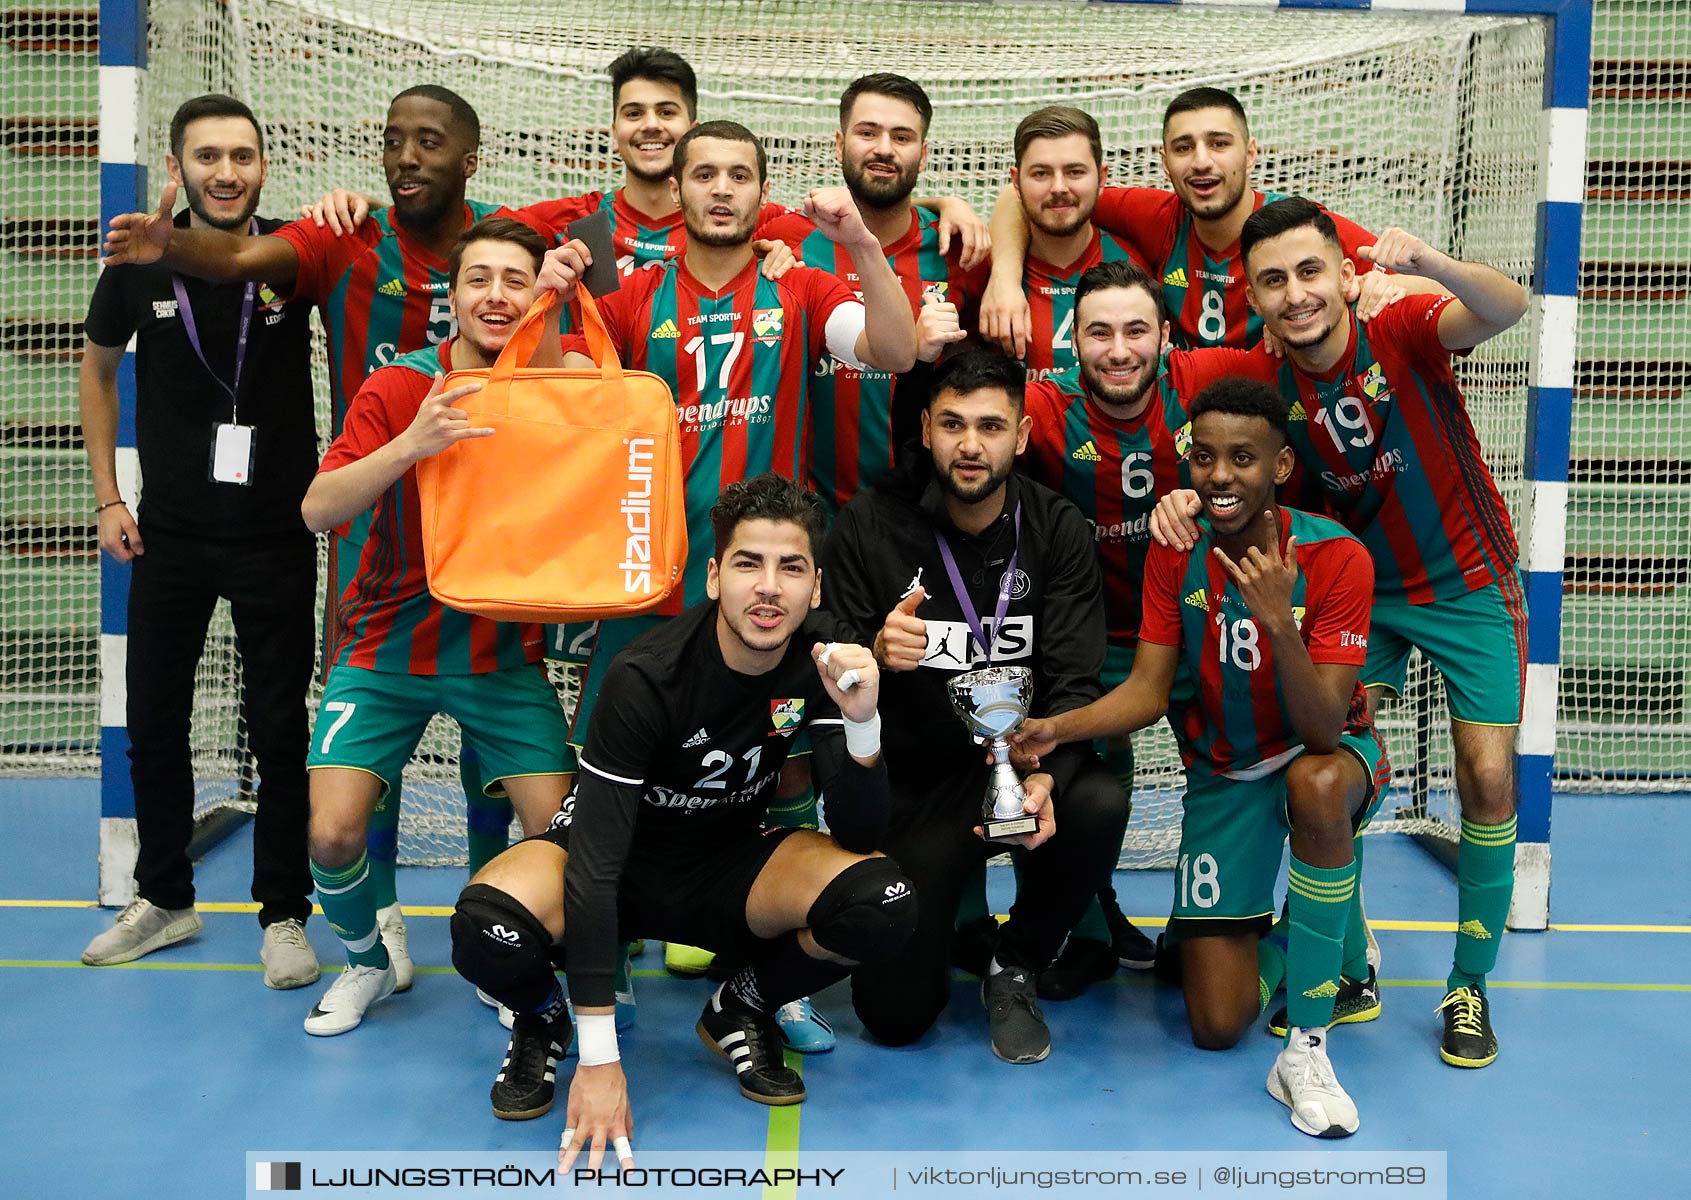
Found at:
<point>664,835</point>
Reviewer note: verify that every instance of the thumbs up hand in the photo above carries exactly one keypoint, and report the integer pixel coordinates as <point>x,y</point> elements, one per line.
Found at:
<point>937,327</point>
<point>903,640</point>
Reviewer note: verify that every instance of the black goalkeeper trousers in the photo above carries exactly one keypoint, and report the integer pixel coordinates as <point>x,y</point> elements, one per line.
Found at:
<point>930,838</point>
<point>271,584</point>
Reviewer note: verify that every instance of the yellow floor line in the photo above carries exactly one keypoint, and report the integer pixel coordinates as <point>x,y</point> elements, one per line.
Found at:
<point>795,1061</point>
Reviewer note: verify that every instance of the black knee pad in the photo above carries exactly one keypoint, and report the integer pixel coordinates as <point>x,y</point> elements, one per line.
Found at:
<point>499,946</point>
<point>867,913</point>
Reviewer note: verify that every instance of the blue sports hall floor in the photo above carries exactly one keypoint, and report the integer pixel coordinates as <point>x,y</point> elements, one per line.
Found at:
<point>155,1079</point>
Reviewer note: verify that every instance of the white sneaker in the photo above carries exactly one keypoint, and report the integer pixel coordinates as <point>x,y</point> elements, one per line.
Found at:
<point>141,928</point>
<point>391,921</point>
<point>289,961</point>
<point>507,1018</point>
<point>1303,1080</point>
<point>343,1006</point>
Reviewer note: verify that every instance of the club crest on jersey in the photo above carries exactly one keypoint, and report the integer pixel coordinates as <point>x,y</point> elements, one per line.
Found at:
<point>936,289</point>
<point>1183,440</point>
<point>786,715</point>
<point>1297,615</point>
<point>766,325</point>
<point>393,287</point>
<point>1374,384</point>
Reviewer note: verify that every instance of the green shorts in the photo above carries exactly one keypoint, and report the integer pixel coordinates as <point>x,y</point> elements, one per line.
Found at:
<point>572,643</point>
<point>1478,643</point>
<point>1232,833</point>
<point>372,721</point>
<point>612,638</point>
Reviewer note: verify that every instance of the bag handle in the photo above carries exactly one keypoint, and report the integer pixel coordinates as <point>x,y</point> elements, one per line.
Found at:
<point>525,339</point>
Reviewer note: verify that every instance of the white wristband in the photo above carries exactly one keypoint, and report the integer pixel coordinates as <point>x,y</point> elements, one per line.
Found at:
<point>596,1039</point>
<point>863,738</point>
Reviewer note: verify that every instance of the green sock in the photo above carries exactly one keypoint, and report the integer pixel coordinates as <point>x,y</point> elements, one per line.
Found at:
<point>1318,905</point>
<point>1356,932</point>
<point>972,906</point>
<point>383,843</point>
<point>794,812</point>
<point>347,895</point>
<point>1485,881</point>
<point>487,818</point>
<point>1271,962</point>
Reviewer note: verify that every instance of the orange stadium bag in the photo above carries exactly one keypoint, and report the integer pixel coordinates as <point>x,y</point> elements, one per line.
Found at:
<point>574,510</point>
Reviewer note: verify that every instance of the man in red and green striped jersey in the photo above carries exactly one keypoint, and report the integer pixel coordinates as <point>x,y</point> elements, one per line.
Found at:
<point>1267,611</point>
<point>654,101</point>
<point>398,655</point>
<point>1188,236</point>
<point>737,350</point>
<point>1381,428</point>
<point>1050,204</point>
<point>882,145</point>
<point>382,290</point>
<point>1112,435</point>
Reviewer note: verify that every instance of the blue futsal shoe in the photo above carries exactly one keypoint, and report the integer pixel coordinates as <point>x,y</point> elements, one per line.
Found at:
<point>804,1029</point>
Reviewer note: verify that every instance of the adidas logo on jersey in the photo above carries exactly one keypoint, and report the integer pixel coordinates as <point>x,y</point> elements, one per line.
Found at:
<point>1474,930</point>
<point>1176,277</point>
<point>666,330</point>
<point>1087,453</point>
<point>1198,599</point>
<point>698,739</point>
<point>1297,413</point>
<point>393,287</point>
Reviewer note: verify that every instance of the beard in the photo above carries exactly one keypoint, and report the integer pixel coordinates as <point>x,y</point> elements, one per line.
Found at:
<point>969,494</point>
<point>762,641</point>
<point>1061,227</point>
<point>197,205</point>
<point>1309,341</point>
<point>647,175</point>
<point>1219,205</point>
<point>875,191</point>
<point>739,235</point>
<point>422,213</point>
<point>1109,393</point>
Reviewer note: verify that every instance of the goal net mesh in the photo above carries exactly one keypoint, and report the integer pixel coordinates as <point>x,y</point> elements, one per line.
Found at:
<point>1430,123</point>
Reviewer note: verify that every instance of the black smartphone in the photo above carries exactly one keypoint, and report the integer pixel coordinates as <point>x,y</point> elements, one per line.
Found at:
<point>602,277</point>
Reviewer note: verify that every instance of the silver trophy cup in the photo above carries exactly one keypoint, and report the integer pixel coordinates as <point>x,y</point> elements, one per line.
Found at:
<point>993,703</point>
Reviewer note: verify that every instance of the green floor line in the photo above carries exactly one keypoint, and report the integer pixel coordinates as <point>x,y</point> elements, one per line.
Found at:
<point>781,1139</point>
